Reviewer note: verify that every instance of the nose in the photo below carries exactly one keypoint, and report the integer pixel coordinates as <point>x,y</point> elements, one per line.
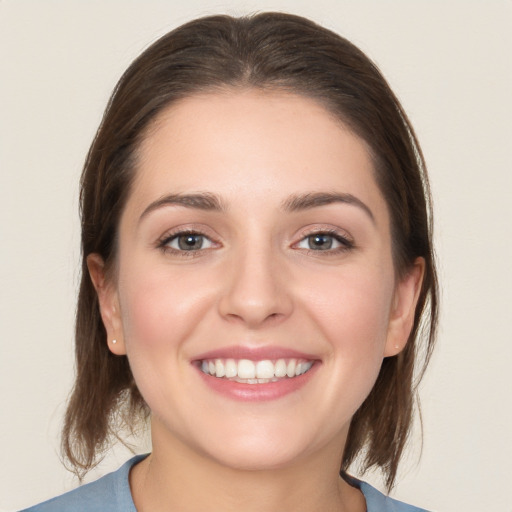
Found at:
<point>256,291</point>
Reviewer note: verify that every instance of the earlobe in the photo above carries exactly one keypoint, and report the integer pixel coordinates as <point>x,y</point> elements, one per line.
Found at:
<point>108,303</point>
<point>404,307</point>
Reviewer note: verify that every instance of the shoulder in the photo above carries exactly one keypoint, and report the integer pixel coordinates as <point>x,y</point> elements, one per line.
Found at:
<point>110,493</point>
<point>379,502</point>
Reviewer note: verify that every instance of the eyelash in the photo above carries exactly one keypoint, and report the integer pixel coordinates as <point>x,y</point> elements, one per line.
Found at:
<point>163,243</point>
<point>346,244</point>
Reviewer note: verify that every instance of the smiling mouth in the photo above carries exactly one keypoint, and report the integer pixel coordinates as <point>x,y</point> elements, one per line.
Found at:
<point>255,372</point>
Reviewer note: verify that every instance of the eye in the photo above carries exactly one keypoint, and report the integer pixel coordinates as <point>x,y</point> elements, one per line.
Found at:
<point>323,241</point>
<point>187,242</point>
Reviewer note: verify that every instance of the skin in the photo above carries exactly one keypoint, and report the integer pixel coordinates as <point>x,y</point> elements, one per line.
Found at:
<point>257,282</point>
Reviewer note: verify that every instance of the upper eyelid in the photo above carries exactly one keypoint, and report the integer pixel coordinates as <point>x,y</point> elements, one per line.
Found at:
<point>343,237</point>
<point>172,236</point>
<point>346,242</point>
<point>302,233</point>
<point>164,241</point>
<point>324,229</point>
<point>188,229</point>
<point>163,244</point>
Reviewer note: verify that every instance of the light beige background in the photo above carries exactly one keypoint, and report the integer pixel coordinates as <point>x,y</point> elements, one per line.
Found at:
<point>449,62</point>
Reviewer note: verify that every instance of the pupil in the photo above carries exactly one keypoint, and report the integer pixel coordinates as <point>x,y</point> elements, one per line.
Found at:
<point>320,242</point>
<point>190,242</point>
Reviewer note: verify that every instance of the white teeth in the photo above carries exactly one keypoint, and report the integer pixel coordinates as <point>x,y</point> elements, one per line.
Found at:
<point>264,369</point>
<point>246,369</point>
<point>306,366</point>
<point>255,372</point>
<point>280,370</point>
<point>231,368</point>
<point>290,369</point>
<point>219,368</point>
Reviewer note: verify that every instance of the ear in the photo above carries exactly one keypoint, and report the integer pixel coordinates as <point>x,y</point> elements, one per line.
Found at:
<point>108,302</point>
<point>403,308</point>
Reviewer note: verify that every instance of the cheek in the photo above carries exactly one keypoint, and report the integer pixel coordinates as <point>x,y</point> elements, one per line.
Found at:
<point>160,312</point>
<point>159,308</point>
<point>352,308</point>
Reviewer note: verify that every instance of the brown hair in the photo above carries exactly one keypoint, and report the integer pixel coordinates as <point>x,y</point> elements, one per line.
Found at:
<point>277,52</point>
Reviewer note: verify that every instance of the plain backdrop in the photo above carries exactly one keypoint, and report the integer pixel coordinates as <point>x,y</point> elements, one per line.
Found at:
<point>450,64</point>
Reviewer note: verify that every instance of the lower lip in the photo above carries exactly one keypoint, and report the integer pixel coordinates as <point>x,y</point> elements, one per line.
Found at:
<point>258,392</point>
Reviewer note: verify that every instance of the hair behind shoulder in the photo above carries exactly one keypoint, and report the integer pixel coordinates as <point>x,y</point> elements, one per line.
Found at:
<point>279,52</point>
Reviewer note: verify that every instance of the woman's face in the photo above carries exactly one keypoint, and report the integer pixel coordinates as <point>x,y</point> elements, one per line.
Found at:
<point>255,245</point>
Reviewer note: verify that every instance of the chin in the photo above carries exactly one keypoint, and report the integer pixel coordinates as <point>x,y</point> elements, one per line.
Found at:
<point>256,458</point>
<point>264,449</point>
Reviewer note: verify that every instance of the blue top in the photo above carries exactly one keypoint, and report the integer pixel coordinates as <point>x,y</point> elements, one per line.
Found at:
<point>111,493</point>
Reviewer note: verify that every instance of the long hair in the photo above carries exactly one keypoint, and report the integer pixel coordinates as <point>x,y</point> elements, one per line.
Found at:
<point>270,51</point>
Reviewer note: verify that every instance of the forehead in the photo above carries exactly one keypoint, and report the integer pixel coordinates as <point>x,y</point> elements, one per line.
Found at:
<point>252,144</point>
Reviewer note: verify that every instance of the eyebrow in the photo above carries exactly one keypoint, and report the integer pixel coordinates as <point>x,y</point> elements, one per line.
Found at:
<point>200,201</point>
<point>315,199</point>
<point>210,202</point>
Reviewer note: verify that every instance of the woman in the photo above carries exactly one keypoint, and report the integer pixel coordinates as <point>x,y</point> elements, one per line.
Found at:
<point>257,261</point>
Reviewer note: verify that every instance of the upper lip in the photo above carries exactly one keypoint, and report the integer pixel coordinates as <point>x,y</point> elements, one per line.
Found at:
<point>255,353</point>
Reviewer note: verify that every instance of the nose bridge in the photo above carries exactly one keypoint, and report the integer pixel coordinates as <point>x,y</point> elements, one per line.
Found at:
<point>255,286</point>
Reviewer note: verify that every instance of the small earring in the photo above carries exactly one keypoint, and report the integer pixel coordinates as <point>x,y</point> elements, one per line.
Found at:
<point>115,341</point>
<point>396,346</point>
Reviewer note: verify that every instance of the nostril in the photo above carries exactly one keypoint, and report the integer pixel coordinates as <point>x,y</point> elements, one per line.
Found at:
<point>253,295</point>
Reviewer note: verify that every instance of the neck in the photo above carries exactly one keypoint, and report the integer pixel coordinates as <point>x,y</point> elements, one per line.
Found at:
<point>177,478</point>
